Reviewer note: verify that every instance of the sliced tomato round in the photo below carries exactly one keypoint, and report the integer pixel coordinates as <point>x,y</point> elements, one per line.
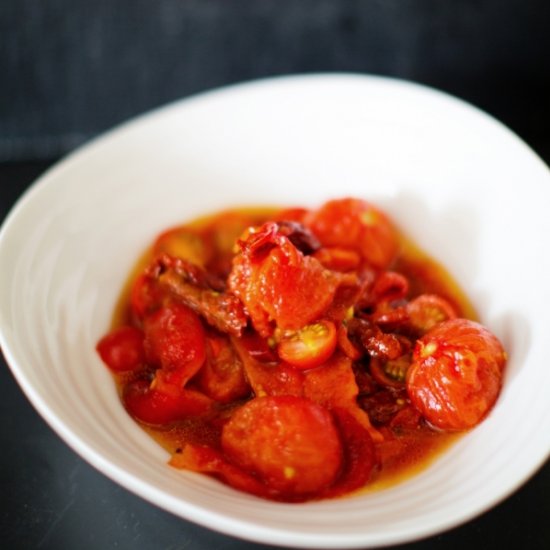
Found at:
<point>122,349</point>
<point>456,374</point>
<point>175,341</point>
<point>290,443</point>
<point>310,346</point>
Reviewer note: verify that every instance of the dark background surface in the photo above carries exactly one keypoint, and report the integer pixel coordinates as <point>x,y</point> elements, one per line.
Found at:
<point>72,69</point>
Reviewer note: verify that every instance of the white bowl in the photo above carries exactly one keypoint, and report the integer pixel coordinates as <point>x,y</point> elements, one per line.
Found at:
<point>459,183</point>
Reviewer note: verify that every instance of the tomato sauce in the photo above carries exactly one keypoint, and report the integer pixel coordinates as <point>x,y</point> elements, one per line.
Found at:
<point>299,354</point>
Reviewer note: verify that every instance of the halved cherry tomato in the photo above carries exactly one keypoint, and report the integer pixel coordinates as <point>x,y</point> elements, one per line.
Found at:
<point>122,349</point>
<point>290,443</point>
<point>390,373</point>
<point>175,341</point>
<point>389,286</point>
<point>428,310</point>
<point>310,346</point>
<point>456,374</point>
<point>152,406</point>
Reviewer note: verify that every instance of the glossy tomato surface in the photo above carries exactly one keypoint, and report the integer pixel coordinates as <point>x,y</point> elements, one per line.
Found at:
<point>456,374</point>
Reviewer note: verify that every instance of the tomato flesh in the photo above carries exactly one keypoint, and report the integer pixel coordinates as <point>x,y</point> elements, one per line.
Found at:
<point>289,356</point>
<point>278,283</point>
<point>428,310</point>
<point>290,443</point>
<point>358,225</point>
<point>175,341</point>
<point>310,346</point>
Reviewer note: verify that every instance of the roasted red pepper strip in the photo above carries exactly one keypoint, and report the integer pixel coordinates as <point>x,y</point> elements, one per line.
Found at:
<point>193,287</point>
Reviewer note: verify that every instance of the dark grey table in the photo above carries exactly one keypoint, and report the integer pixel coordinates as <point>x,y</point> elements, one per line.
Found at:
<point>51,499</point>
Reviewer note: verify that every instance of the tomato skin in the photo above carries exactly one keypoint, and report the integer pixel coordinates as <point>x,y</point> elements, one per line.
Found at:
<point>152,406</point>
<point>290,443</point>
<point>389,286</point>
<point>382,371</point>
<point>222,376</point>
<point>310,346</point>
<point>122,349</point>
<point>175,341</point>
<point>338,259</point>
<point>182,242</point>
<point>456,374</point>
<point>359,454</point>
<point>146,296</point>
<point>278,283</point>
<point>428,310</point>
<point>358,225</point>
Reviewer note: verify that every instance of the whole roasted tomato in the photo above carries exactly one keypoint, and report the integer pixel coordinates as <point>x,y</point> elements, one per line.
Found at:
<point>122,349</point>
<point>456,374</point>
<point>174,341</point>
<point>357,225</point>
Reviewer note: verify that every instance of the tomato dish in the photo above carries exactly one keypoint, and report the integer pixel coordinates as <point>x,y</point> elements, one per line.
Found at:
<point>299,354</point>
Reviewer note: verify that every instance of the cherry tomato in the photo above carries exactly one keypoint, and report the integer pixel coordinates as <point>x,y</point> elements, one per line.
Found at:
<point>290,443</point>
<point>152,406</point>
<point>428,310</point>
<point>338,259</point>
<point>389,286</point>
<point>310,346</point>
<point>146,296</point>
<point>390,373</point>
<point>222,376</point>
<point>183,242</point>
<point>122,349</point>
<point>356,224</point>
<point>456,374</point>
<point>175,341</point>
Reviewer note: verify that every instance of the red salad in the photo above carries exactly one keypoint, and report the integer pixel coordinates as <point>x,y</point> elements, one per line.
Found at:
<point>299,354</point>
